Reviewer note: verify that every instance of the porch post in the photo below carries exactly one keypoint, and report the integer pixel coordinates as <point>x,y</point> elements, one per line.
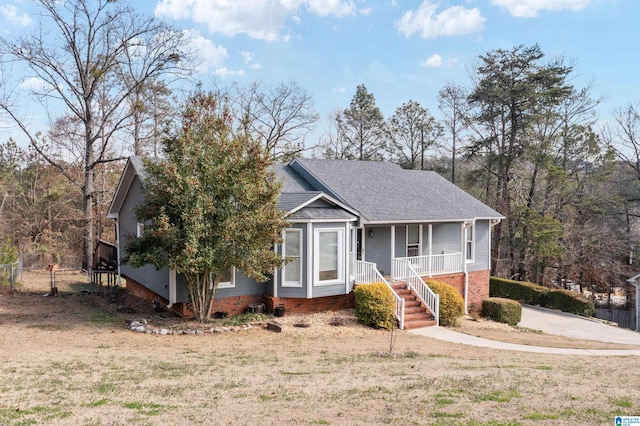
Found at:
<point>393,242</point>
<point>429,243</point>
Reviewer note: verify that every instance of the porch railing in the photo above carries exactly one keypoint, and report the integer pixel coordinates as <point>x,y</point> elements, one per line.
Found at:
<point>402,270</point>
<point>367,273</point>
<point>436,264</point>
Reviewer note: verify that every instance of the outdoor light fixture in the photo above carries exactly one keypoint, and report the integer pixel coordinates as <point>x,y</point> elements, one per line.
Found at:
<point>371,232</point>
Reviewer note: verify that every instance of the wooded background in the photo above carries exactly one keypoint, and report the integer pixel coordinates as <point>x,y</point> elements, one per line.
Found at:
<point>519,135</point>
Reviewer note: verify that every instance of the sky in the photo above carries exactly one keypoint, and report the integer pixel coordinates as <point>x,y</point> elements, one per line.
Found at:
<point>400,50</point>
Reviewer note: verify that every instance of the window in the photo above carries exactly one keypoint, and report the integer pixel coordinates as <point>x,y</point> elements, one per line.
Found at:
<point>413,240</point>
<point>292,246</point>
<point>329,256</point>
<point>228,280</point>
<point>139,229</point>
<point>468,238</point>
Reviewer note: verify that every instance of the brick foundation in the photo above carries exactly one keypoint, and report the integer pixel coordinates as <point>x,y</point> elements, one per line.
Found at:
<point>318,304</point>
<point>477,291</point>
<point>238,304</point>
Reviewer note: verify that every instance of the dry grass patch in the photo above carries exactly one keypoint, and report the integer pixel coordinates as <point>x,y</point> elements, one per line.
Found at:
<point>69,360</point>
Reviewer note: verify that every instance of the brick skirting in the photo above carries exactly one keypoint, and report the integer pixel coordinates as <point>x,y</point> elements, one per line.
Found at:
<point>317,304</point>
<point>235,305</point>
<point>478,289</point>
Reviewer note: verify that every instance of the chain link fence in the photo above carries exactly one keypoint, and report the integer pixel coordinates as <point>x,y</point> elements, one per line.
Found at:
<point>10,274</point>
<point>39,261</point>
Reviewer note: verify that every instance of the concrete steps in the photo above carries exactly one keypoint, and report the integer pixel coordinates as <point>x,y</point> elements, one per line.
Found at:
<point>416,315</point>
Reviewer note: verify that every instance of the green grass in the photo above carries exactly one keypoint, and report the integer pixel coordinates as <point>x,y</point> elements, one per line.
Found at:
<point>144,408</point>
<point>541,416</point>
<point>622,403</point>
<point>499,396</point>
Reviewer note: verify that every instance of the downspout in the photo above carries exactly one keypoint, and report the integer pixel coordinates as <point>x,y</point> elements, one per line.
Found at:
<point>118,251</point>
<point>172,288</point>
<point>465,226</point>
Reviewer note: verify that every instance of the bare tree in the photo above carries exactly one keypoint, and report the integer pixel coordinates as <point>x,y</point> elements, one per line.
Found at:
<point>452,102</point>
<point>279,116</point>
<point>412,132</point>
<point>90,56</point>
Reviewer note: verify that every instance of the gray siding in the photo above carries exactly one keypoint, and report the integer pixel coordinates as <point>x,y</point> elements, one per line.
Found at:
<point>244,286</point>
<point>446,236</point>
<point>378,248</point>
<point>482,258</point>
<point>156,280</point>
<point>401,242</point>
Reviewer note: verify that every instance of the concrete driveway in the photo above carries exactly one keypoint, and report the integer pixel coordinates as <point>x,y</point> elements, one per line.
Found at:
<point>550,322</point>
<point>563,324</point>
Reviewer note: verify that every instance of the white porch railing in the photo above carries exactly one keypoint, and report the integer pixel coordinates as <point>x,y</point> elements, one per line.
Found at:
<point>402,270</point>
<point>367,273</point>
<point>436,264</point>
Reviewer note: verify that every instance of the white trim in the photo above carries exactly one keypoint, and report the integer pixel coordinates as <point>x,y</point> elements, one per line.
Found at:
<point>229,284</point>
<point>297,283</point>
<point>470,257</point>
<point>340,256</point>
<point>275,272</point>
<point>321,220</point>
<point>401,222</point>
<point>139,229</point>
<point>328,198</point>
<point>309,267</point>
<point>393,241</point>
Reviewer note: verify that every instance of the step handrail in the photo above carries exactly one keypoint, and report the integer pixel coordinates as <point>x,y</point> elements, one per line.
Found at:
<point>367,273</point>
<point>402,270</point>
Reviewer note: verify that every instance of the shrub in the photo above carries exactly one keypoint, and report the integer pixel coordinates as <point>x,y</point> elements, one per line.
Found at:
<point>451,302</point>
<point>524,292</point>
<point>375,305</point>
<point>502,310</point>
<point>568,301</point>
<point>533,294</point>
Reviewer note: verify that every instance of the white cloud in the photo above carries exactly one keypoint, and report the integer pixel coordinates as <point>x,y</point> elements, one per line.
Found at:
<point>260,19</point>
<point>451,21</point>
<point>256,66</point>
<point>433,61</point>
<point>209,55</point>
<point>225,72</point>
<point>366,11</point>
<point>34,83</point>
<point>337,8</point>
<point>247,57</point>
<point>531,8</point>
<point>11,14</point>
<point>339,89</point>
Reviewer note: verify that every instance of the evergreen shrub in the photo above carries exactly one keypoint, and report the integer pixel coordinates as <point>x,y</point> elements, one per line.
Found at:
<point>451,302</point>
<point>533,294</point>
<point>568,301</point>
<point>524,292</point>
<point>502,310</point>
<point>375,305</point>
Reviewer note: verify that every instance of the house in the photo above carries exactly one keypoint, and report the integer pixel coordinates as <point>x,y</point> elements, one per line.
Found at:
<point>351,222</point>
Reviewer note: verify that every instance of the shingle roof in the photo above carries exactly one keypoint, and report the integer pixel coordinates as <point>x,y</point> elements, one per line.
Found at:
<point>288,201</point>
<point>321,213</point>
<point>384,192</point>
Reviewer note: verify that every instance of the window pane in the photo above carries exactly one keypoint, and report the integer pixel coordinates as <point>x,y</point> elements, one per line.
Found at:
<point>292,270</point>
<point>292,243</point>
<point>328,262</point>
<point>226,278</point>
<point>413,234</point>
